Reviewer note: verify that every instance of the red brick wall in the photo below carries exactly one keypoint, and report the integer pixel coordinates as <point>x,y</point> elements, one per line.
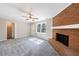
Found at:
<point>69,16</point>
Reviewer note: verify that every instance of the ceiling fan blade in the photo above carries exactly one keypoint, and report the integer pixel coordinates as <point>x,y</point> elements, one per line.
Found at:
<point>27,19</point>
<point>34,18</point>
<point>25,16</point>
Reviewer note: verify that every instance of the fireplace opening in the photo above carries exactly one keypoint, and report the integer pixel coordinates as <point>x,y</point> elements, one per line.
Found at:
<point>62,38</point>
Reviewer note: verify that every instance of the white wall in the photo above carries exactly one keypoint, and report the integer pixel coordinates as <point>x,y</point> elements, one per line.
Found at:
<point>46,35</point>
<point>3,30</point>
<point>22,29</point>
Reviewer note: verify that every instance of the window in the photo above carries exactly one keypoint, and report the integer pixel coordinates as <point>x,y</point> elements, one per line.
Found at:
<point>43,28</point>
<point>38,27</point>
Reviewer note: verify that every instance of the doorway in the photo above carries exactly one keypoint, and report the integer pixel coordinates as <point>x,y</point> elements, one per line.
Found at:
<point>10,30</point>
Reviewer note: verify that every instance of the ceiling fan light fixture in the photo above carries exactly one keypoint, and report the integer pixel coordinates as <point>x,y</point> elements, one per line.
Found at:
<point>30,17</point>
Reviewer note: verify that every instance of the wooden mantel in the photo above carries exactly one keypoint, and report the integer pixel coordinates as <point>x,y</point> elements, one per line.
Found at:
<point>71,26</point>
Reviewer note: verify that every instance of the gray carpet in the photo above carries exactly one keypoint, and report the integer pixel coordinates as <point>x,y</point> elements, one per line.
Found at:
<point>30,46</point>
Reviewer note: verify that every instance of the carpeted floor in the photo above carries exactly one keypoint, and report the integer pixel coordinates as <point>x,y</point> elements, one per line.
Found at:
<point>30,46</point>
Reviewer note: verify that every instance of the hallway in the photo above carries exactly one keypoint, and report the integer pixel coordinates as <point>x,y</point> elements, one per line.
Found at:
<point>30,46</point>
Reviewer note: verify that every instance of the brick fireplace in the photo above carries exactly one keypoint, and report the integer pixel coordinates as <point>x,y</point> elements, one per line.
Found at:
<point>68,16</point>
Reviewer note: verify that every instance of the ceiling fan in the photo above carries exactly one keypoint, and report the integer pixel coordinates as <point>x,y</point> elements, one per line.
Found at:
<point>29,16</point>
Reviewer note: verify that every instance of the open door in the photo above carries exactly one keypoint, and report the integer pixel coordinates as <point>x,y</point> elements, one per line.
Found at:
<point>10,30</point>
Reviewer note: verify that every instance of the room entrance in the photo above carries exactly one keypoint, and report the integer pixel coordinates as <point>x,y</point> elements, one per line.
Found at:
<point>10,30</point>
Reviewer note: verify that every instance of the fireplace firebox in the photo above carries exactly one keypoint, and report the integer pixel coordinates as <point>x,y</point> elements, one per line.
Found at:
<point>64,39</point>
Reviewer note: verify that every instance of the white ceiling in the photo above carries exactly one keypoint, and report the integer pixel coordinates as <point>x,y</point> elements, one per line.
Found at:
<point>43,11</point>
